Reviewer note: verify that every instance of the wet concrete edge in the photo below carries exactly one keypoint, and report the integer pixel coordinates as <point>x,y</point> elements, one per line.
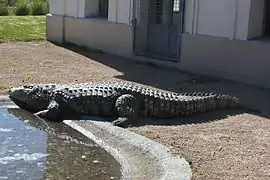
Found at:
<point>162,162</point>
<point>125,166</point>
<point>130,150</point>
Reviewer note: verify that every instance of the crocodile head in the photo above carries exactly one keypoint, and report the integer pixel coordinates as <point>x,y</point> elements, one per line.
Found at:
<point>32,97</point>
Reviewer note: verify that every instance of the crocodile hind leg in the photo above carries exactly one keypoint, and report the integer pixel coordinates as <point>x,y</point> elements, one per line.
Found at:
<point>127,107</point>
<point>53,112</point>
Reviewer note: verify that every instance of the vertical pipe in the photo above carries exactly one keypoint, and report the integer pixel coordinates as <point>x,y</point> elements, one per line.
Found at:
<point>78,8</point>
<point>64,24</point>
<point>181,29</point>
<point>130,11</point>
<point>116,11</point>
<point>234,20</point>
<point>195,16</point>
<point>134,20</point>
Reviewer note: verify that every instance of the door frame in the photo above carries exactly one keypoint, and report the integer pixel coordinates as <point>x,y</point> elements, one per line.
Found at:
<point>134,22</point>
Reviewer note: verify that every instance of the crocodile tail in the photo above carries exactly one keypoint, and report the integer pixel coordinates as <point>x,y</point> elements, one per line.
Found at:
<point>197,94</point>
<point>226,101</point>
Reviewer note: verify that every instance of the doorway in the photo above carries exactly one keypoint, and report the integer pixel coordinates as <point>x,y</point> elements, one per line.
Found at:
<point>164,28</point>
<point>267,18</point>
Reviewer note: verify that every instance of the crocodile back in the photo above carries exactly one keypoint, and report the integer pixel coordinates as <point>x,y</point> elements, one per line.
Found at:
<point>100,98</point>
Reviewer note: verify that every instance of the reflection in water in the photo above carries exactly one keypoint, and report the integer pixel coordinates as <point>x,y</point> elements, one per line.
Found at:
<point>34,149</point>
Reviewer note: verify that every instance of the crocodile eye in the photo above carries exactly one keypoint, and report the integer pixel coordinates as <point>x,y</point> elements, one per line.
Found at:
<point>28,86</point>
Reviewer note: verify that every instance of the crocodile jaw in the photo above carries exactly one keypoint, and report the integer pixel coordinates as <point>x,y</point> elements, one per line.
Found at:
<point>24,98</point>
<point>19,94</point>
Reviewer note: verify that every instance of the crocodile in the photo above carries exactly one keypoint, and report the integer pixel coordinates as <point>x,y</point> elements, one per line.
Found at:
<point>124,101</point>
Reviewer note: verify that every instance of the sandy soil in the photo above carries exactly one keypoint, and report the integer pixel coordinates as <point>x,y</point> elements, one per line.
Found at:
<point>218,145</point>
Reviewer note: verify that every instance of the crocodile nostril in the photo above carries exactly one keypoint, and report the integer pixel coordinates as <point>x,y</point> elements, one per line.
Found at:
<point>10,91</point>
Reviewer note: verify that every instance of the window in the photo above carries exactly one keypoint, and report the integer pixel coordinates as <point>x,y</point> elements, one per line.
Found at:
<point>176,6</point>
<point>155,11</point>
<point>164,11</point>
<point>103,8</point>
<point>96,8</point>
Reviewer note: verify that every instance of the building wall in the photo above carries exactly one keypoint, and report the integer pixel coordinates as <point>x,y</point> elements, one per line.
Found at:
<point>57,7</point>
<point>234,19</point>
<point>54,28</point>
<point>100,34</point>
<point>76,21</point>
<point>218,18</point>
<point>242,19</point>
<point>71,8</point>
<point>245,61</point>
<point>223,52</point>
<point>214,40</point>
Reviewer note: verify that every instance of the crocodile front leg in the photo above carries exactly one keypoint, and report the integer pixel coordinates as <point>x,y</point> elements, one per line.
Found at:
<point>127,107</point>
<point>53,112</point>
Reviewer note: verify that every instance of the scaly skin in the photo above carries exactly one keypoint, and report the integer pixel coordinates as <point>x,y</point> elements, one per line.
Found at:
<point>125,101</point>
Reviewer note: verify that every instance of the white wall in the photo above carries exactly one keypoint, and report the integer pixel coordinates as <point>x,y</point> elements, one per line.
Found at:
<point>234,19</point>
<point>223,18</point>
<point>71,8</point>
<point>101,35</point>
<point>57,7</point>
<point>120,11</point>
<point>241,19</point>
<point>215,17</point>
<point>74,8</point>
<point>81,7</point>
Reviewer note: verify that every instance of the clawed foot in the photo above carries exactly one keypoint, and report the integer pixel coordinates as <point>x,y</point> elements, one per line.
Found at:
<point>41,114</point>
<point>48,115</point>
<point>122,122</point>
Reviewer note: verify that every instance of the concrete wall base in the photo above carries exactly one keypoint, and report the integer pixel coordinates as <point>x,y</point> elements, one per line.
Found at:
<point>55,28</point>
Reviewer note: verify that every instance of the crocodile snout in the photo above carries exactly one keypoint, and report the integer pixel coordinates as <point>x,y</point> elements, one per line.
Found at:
<point>16,92</point>
<point>10,90</point>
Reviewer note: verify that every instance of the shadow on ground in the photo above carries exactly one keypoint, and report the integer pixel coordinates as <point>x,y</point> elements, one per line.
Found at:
<point>253,97</point>
<point>195,119</point>
<point>141,121</point>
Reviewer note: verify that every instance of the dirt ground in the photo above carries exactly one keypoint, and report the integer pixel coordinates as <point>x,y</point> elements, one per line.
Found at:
<point>218,145</point>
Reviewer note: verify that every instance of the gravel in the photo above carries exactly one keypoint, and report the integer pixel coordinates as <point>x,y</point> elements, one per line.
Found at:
<point>218,145</point>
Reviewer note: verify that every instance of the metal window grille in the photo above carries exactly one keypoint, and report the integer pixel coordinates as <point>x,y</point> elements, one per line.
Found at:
<point>155,11</point>
<point>176,5</point>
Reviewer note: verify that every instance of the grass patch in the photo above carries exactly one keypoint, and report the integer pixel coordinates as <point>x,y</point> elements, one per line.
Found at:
<point>22,28</point>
